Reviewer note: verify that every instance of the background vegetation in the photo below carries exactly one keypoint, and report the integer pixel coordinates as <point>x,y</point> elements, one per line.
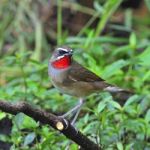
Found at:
<point>111,38</point>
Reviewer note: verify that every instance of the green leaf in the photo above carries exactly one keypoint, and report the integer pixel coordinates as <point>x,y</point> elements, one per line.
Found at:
<point>113,68</point>
<point>119,146</point>
<point>145,57</point>
<point>29,123</point>
<point>22,121</point>
<point>90,126</point>
<point>146,76</point>
<point>101,106</point>
<point>98,7</point>
<point>19,120</point>
<point>131,100</point>
<point>147,116</point>
<point>148,4</point>
<point>2,115</point>
<point>133,41</point>
<point>88,39</point>
<point>86,118</point>
<point>129,146</point>
<point>115,104</point>
<point>29,139</point>
<point>73,147</point>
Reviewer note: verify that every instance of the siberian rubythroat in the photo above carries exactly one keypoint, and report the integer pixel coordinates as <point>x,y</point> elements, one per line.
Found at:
<point>71,78</point>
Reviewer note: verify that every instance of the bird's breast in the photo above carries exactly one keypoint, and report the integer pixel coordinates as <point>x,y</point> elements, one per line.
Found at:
<point>59,79</point>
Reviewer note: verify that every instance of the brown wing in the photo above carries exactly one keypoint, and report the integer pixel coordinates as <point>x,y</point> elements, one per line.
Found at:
<point>79,73</point>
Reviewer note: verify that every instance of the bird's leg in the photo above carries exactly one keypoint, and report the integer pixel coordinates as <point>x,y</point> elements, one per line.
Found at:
<point>75,110</point>
<point>77,113</point>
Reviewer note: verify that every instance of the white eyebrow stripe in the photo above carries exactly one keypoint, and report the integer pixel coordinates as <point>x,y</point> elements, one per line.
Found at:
<point>59,57</point>
<point>62,49</point>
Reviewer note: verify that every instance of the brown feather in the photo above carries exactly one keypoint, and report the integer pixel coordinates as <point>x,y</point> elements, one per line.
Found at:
<point>79,73</point>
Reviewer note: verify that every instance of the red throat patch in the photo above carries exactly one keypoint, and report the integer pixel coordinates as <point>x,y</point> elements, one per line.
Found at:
<point>62,63</point>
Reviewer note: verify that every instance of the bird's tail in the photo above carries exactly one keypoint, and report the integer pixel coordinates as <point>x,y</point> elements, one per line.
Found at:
<point>114,89</point>
<point>119,94</point>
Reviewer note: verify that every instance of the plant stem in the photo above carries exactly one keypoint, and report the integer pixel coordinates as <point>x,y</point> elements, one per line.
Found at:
<point>59,22</point>
<point>109,8</point>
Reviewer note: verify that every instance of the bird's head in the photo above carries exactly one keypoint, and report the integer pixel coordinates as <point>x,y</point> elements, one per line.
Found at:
<point>61,57</point>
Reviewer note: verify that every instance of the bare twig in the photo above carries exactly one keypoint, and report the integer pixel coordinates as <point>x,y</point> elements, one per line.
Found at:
<point>57,123</point>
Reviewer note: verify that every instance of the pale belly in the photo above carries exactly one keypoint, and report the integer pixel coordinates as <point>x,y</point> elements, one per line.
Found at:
<point>75,89</point>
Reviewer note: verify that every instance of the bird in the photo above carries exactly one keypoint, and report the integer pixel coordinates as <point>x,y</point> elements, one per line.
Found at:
<point>71,78</point>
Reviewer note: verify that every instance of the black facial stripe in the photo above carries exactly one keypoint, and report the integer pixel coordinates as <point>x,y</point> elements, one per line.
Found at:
<point>61,52</point>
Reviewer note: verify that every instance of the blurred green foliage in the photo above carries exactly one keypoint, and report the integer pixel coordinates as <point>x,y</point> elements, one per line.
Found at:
<point>124,61</point>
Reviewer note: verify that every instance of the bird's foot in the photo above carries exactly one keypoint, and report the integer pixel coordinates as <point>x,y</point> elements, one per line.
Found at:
<point>75,111</point>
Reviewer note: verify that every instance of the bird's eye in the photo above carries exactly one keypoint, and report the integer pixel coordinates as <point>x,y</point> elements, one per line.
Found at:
<point>62,52</point>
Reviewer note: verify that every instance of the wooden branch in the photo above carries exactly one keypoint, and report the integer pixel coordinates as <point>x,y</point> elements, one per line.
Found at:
<point>57,123</point>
